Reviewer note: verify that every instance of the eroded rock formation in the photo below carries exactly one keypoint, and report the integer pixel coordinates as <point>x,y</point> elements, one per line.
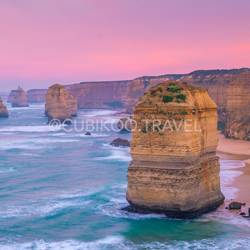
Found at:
<point>56,107</point>
<point>3,110</point>
<point>20,99</point>
<point>58,92</point>
<point>124,125</point>
<point>174,168</point>
<point>36,95</point>
<point>11,96</point>
<point>238,108</point>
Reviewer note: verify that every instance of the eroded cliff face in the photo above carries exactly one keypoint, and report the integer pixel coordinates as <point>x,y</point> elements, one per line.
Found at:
<point>3,110</point>
<point>36,95</point>
<point>238,108</point>
<point>20,99</point>
<point>100,95</point>
<point>11,96</point>
<point>140,85</point>
<point>174,168</point>
<point>56,107</point>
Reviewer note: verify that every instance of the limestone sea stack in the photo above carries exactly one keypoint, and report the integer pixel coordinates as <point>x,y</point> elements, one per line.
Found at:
<point>56,107</point>
<point>3,110</point>
<point>11,96</point>
<point>238,108</point>
<point>56,90</point>
<point>174,168</point>
<point>20,99</point>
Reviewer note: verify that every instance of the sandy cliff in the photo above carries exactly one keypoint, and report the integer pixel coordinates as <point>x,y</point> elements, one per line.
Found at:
<point>99,95</point>
<point>57,101</point>
<point>238,108</point>
<point>36,95</point>
<point>20,99</point>
<point>175,171</point>
<point>3,109</point>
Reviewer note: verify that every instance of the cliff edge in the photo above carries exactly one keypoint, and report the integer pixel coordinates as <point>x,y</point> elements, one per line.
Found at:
<point>238,108</point>
<point>174,168</point>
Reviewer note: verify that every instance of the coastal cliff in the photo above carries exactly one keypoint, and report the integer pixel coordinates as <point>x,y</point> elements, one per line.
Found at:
<point>100,95</point>
<point>174,168</point>
<point>36,95</point>
<point>3,110</point>
<point>140,85</point>
<point>20,99</point>
<point>238,108</point>
<point>58,104</point>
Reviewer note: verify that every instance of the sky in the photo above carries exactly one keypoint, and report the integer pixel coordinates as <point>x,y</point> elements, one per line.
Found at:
<point>43,42</point>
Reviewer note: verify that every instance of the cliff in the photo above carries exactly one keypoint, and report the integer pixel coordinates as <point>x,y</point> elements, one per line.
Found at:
<point>100,95</point>
<point>174,168</point>
<point>238,108</point>
<point>3,110</point>
<point>36,95</point>
<point>20,99</point>
<point>216,82</point>
<point>11,96</point>
<point>57,106</point>
<point>141,85</point>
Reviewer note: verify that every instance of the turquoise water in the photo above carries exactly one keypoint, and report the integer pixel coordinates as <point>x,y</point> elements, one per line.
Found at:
<point>65,190</point>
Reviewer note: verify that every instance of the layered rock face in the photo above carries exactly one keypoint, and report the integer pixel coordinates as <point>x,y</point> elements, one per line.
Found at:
<point>100,95</point>
<point>3,110</point>
<point>11,96</point>
<point>174,168</point>
<point>58,93</point>
<point>141,85</point>
<point>216,82</point>
<point>36,95</point>
<point>20,99</point>
<point>238,108</point>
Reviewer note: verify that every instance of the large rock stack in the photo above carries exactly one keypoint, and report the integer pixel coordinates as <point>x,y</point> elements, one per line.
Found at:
<point>238,108</point>
<point>3,110</point>
<point>60,104</point>
<point>20,99</point>
<point>174,168</point>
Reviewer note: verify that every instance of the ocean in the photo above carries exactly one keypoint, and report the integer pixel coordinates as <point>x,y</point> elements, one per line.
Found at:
<point>66,190</point>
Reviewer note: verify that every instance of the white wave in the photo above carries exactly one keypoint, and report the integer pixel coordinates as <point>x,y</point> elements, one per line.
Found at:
<point>7,170</point>
<point>116,242</point>
<point>94,113</point>
<point>231,164</point>
<point>29,129</point>
<point>117,155</point>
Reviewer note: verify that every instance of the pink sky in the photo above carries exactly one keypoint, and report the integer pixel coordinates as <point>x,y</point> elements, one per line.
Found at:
<point>43,42</point>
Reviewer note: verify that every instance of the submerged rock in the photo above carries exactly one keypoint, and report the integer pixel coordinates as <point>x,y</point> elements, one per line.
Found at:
<point>69,100</point>
<point>56,107</point>
<point>20,99</point>
<point>3,110</point>
<point>174,168</point>
<point>124,125</point>
<point>120,143</point>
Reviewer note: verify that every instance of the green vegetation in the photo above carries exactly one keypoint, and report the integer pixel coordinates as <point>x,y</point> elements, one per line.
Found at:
<point>160,89</point>
<point>167,98</point>
<point>182,97</point>
<point>174,87</point>
<point>144,130</point>
<point>178,101</point>
<point>184,83</point>
<point>114,104</point>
